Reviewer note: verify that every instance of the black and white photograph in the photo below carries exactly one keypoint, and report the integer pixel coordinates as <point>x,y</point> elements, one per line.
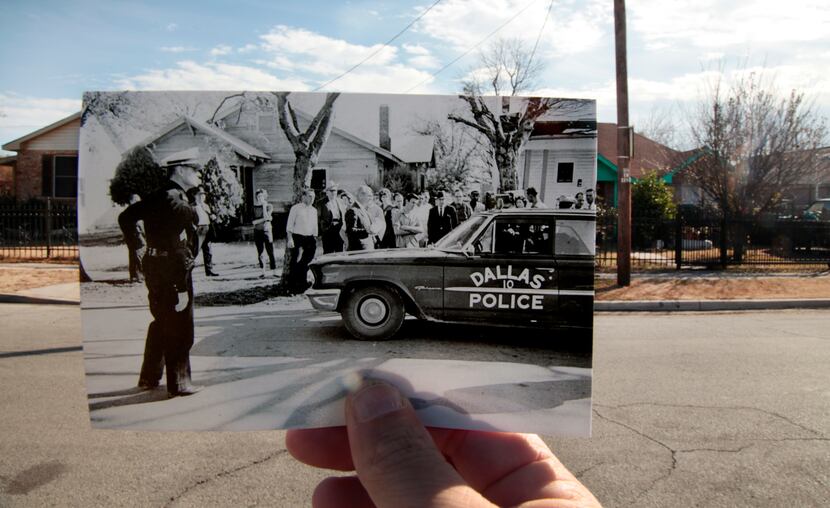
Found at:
<point>248,258</point>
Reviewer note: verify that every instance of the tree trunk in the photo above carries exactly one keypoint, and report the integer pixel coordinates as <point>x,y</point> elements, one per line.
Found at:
<point>506,162</point>
<point>302,165</point>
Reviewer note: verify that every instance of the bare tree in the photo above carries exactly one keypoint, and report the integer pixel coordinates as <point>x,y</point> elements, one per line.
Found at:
<point>507,68</point>
<point>307,144</point>
<point>661,126</point>
<point>456,150</point>
<point>756,144</point>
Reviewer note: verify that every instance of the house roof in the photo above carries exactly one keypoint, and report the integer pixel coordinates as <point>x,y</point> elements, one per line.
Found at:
<point>241,147</point>
<point>16,144</point>
<point>416,149</point>
<point>225,113</point>
<point>649,155</point>
<point>8,161</point>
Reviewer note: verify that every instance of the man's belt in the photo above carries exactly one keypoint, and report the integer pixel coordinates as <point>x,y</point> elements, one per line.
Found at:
<point>158,253</point>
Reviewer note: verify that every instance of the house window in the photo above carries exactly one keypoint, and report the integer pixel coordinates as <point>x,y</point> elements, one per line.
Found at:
<point>318,179</point>
<point>565,172</point>
<point>60,176</point>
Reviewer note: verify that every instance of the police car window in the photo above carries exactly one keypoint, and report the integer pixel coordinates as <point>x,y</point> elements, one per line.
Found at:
<point>484,243</point>
<point>520,236</point>
<point>575,237</point>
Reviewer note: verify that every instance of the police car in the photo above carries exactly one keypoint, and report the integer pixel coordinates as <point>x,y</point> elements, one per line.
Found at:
<point>514,267</point>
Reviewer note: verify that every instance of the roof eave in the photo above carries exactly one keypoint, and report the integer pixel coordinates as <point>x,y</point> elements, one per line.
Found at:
<point>15,145</point>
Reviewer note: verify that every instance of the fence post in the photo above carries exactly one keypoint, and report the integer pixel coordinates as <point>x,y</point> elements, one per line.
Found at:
<point>724,242</point>
<point>48,228</point>
<point>678,242</point>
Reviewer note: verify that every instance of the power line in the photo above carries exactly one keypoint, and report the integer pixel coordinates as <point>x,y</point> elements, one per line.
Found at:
<point>385,44</point>
<point>479,43</point>
<point>538,37</point>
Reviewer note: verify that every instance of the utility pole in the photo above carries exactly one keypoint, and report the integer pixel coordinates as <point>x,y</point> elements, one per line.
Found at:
<point>624,140</point>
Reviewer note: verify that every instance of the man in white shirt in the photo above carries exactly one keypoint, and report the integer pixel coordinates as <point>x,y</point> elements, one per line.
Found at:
<point>301,236</point>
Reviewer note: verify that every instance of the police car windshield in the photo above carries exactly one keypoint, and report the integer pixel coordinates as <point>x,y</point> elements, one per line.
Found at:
<point>460,236</point>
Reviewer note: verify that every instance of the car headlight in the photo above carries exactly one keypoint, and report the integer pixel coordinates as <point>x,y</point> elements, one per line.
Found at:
<point>311,278</point>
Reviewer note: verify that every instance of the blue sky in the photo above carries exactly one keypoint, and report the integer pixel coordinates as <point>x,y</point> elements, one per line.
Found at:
<point>53,51</point>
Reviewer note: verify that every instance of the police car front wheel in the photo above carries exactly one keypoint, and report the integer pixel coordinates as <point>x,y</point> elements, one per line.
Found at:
<point>373,313</point>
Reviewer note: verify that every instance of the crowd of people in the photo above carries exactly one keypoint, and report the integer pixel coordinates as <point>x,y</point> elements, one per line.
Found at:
<point>368,220</point>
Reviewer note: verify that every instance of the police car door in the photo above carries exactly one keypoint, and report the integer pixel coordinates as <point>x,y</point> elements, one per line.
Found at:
<point>510,278</point>
<point>574,247</point>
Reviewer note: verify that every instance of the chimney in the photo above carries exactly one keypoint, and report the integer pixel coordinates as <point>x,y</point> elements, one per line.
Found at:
<point>385,140</point>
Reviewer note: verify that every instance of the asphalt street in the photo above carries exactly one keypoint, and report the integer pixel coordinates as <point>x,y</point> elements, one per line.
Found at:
<point>701,409</point>
<point>269,366</point>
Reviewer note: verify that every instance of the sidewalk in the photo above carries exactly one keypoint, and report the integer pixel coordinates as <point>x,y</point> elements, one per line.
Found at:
<point>698,291</point>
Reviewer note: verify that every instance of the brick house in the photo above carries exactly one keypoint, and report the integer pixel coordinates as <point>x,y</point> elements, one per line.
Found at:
<point>46,164</point>
<point>7,165</point>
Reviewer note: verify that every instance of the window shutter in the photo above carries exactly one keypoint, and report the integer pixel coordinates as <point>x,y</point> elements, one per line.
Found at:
<point>47,176</point>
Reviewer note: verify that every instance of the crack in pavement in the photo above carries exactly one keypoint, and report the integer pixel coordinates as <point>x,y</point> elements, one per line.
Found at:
<point>675,452</point>
<point>222,474</point>
<point>653,440</point>
<point>579,474</point>
<point>693,406</point>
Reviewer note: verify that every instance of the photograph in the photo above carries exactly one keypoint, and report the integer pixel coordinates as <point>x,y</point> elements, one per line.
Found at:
<point>248,258</point>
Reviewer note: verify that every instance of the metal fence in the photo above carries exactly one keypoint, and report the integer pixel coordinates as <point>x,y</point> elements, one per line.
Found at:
<point>715,243</point>
<point>38,230</point>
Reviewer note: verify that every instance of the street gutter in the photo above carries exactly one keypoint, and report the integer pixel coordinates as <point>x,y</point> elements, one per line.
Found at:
<point>708,305</point>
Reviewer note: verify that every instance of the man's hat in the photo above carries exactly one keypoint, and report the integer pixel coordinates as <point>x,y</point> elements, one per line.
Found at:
<point>189,157</point>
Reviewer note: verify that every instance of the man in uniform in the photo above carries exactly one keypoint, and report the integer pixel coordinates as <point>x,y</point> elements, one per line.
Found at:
<point>172,244</point>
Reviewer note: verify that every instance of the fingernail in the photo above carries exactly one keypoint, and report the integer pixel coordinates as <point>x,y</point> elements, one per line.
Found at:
<point>375,400</point>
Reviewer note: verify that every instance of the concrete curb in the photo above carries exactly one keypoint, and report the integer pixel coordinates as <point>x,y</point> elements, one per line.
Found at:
<point>708,305</point>
<point>34,300</point>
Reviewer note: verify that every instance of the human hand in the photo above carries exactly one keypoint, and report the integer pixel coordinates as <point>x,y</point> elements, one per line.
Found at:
<point>183,298</point>
<point>289,242</point>
<point>400,463</point>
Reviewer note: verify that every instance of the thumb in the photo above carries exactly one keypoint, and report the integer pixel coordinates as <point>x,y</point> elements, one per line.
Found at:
<point>394,455</point>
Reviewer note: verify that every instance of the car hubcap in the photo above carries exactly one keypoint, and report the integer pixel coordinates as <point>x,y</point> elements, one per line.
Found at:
<point>372,311</point>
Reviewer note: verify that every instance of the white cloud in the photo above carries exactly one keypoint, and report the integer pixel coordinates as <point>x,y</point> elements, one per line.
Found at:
<point>171,27</point>
<point>177,49</point>
<point>318,54</point>
<point>389,79</point>
<point>188,75</point>
<point>715,24</point>
<point>221,50</point>
<point>23,114</point>
<point>573,26</point>
<point>247,48</point>
<point>420,57</point>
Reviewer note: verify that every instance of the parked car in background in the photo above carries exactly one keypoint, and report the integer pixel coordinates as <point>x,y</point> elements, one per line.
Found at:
<point>808,231</point>
<point>513,267</point>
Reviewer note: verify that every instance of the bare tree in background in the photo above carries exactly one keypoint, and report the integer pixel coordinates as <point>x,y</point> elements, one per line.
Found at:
<point>507,68</point>
<point>756,144</point>
<point>661,126</point>
<point>456,150</point>
<point>306,144</point>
